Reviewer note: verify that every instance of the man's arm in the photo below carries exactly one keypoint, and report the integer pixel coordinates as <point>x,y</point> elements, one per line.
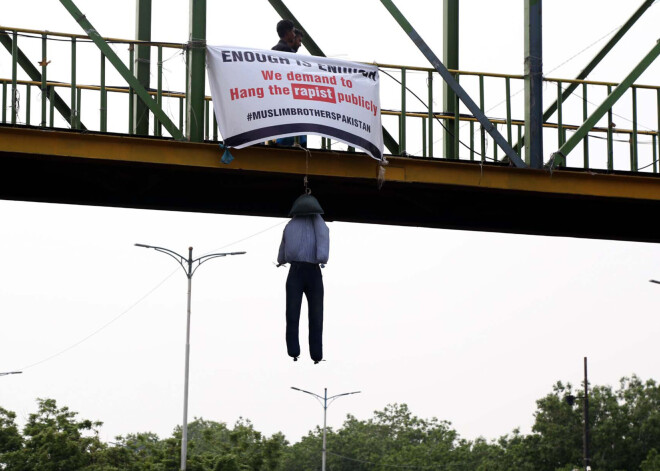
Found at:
<point>322,234</point>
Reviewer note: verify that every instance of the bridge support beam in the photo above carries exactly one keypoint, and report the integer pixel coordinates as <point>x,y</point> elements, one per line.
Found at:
<point>142,65</point>
<point>450,31</point>
<point>596,60</point>
<point>534,83</point>
<point>196,65</point>
<point>559,157</point>
<point>455,86</point>
<point>121,68</point>
<point>33,73</point>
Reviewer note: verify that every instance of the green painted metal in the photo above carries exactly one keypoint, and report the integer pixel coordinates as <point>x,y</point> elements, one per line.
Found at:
<point>613,97</point>
<point>610,135</point>
<point>423,137</point>
<point>215,126</point>
<point>533,83</point>
<point>585,114</point>
<point>482,107</point>
<point>457,126</point>
<point>471,140</point>
<point>455,86</point>
<point>104,98</point>
<point>509,130</point>
<point>131,94</point>
<point>560,116</point>
<point>143,64</point>
<point>430,90</point>
<point>181,113</point>
<point>633,137</point>
<point>28,104</point>
<point>44,83</point>
<point>207,120</point>
<point>286,14</point>
<point>196,71</point>
<point>33,73</point>
<point>52,106</point>
<point>78,104</point>
<point>158,127</point>
<point>450,56</point>
<point>14,78</point>
<point>402,116</point>
<point>599,57</point>
<point>121,68</point>
<point>315,50</point>
<point>655,154</point>
<point>74,108</point>
<point>4,102</point>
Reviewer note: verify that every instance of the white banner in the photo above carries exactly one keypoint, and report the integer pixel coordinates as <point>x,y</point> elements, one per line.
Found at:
<point>260,95</point>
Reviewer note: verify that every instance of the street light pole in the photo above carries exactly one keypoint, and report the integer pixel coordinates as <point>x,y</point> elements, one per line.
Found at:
<point>325,405</point>
<point>11,373</point>
<point>189,266</point>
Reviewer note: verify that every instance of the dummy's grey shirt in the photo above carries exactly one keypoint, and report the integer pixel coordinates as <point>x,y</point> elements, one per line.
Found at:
<point>305,239</point>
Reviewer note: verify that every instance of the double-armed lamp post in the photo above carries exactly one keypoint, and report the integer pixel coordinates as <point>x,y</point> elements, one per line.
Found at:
<point>189,266</point>
<point>324,402</point>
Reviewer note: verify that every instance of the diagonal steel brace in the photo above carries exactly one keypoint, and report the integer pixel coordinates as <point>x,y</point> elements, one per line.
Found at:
<point>35,76</point>
<point>560,156</point>
<point>315,50</point>
<point>453,84</point>
<point>122,69</point>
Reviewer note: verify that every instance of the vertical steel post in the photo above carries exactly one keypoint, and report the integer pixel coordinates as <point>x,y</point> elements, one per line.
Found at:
<point>131,101</point>
<point>402,119</point>
<point>430,85</point>
<point>482,107</point>
<point>28,87</point>
<point>142,65</point>
<point>44,82</point>
<point>587,461</point>
<point>450,24</point>
<point>509,129</point>
<point>74,107</point>
<point>610,135</point>
<point>158,130</point>
<point>560,118</point>
<point>104,97</point>
<point>633,137</point>
<point>585,115</point>
<point>196,71</point>
<point>52,105</point>
<point>534,83</point>
<point>184,431</point>
<point>4,102</point>
<point>14,78</point>
<point>325,413</point>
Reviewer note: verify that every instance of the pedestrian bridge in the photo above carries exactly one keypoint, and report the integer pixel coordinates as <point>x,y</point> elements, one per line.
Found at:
<point>78,135</point>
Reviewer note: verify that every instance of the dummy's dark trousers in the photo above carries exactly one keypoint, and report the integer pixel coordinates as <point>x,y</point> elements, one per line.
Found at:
<point>304,278</point>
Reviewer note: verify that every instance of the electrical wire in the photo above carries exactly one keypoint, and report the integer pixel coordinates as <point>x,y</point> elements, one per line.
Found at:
<point>136,303</point>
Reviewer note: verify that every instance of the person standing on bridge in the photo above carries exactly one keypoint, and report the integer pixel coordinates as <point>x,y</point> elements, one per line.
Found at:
<point>305,246</point>
<point>285,30</point>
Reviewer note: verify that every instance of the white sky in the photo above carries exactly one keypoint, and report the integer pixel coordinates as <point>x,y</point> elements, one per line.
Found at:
<point>467,327</point>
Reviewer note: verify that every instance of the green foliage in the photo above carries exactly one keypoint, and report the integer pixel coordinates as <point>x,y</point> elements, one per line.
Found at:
<point>625,435</point>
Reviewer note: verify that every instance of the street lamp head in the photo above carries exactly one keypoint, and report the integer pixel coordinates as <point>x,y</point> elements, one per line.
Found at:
<point>236,253</point>
<point>570,400</point>
<point>143,245</point>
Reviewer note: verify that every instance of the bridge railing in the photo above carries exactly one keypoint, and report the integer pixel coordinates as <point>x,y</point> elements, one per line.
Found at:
<point>61,80</point>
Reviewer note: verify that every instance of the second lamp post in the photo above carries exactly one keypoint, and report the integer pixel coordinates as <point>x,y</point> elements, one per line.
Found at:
<point>325,405</point>
<point>189,266</point>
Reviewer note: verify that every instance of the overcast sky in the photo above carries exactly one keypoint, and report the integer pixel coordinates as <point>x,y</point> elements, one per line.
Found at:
<point>464,326</point>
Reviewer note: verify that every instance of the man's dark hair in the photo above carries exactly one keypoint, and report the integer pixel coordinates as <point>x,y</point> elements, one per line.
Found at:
<point>283,26</point>
<point>298,32</point>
